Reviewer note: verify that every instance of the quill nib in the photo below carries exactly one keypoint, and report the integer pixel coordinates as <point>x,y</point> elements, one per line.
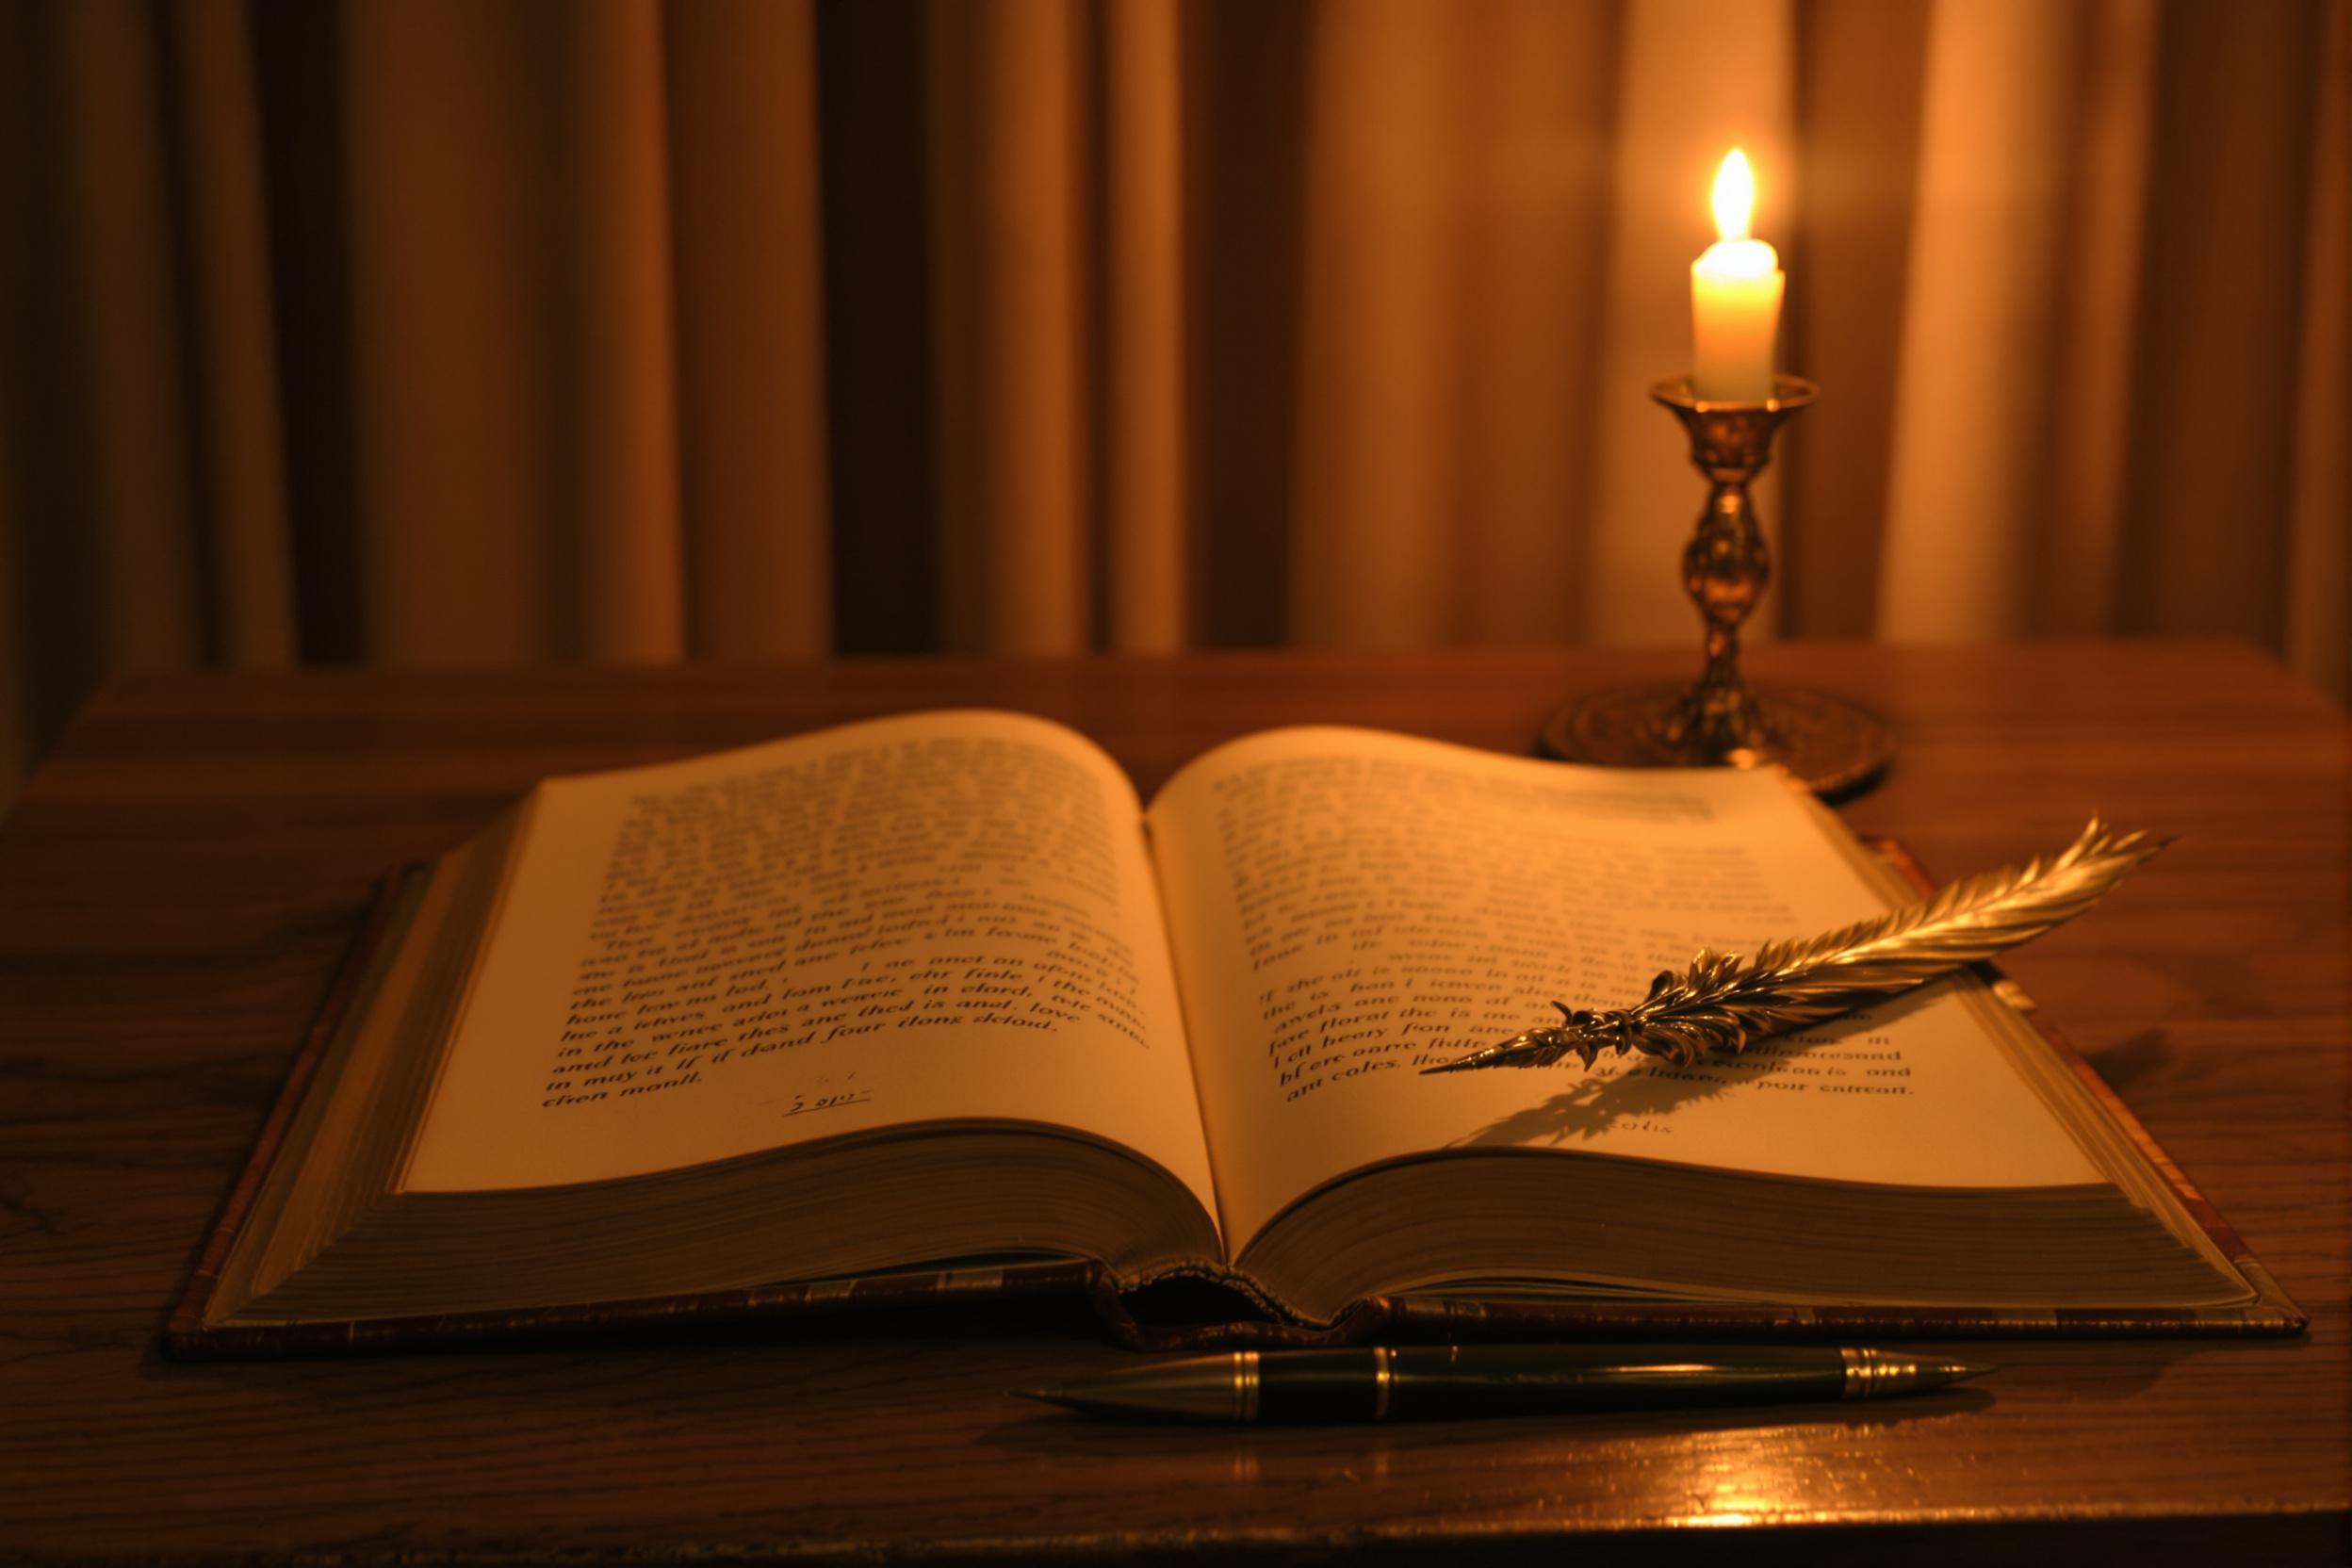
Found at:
<point>1722,1002</point>
<point>1478,1058</point>
<point>1459,1064</point>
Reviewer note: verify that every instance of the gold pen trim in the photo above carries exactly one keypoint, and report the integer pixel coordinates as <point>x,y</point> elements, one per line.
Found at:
<point>1245,1386</point>
<point>1874,1375</point>
<point>1381,1381</point>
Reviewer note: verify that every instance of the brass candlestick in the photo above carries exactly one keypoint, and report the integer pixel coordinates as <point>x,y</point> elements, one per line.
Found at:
<point>1720,720</point>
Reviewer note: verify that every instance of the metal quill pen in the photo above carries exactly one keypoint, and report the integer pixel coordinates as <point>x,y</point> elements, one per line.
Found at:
<point>1723,1002</point>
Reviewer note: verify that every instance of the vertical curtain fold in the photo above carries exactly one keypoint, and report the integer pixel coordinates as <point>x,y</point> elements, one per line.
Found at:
<point>454,518</point>
<point>238,489</point>
<point>133,344</point>
<point>515,458</point>
<point>1860,67</point>
<point>1245,67</point>
<point>1455,229</point>
<point>616,396</point>
<point>1146,506</point>
<point>2319,569</point>
<point>747,290</point>
<point>1976,394</point>
<point>1007,145</point>
<point>1539,95</point>
<point>1374,538</point>
<point>22,694</point>
<point>2071,588</point>
<point>2221,295</point>
<point>873,224</point>
<point>108,540</point>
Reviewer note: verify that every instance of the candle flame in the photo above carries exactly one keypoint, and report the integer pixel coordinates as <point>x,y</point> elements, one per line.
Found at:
<point>1735,196</point>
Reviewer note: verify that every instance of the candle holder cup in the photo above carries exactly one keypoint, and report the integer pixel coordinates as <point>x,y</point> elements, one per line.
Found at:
<point>1719,720</point>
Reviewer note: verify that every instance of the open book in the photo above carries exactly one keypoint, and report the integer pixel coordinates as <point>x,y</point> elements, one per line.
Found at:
<point>937,989</point>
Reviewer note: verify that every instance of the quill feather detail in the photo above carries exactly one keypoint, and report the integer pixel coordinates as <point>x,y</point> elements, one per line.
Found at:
<point>1722,1002</point>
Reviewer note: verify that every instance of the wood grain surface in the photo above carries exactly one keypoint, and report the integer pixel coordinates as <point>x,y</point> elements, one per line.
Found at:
<point>179,878</point>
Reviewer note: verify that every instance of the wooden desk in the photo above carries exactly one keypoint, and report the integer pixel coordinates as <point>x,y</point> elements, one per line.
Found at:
<point>181,875</point>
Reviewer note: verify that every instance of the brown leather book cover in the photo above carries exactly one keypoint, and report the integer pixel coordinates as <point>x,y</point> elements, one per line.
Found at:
<point>1195,1314</point>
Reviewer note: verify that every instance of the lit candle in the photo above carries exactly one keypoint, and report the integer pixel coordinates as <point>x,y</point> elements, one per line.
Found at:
<point>1735,298</point>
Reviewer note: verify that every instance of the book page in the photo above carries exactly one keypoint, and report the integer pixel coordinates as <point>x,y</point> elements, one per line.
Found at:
<point>945,916</point>
<point>1349,907</point>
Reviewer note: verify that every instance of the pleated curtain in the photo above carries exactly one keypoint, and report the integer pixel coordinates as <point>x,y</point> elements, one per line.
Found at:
<point>436,333</point>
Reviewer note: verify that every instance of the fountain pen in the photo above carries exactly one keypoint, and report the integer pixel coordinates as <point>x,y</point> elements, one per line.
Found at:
<point>1431,1381</point>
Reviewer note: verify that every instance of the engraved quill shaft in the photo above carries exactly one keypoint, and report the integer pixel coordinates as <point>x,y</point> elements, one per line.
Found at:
<point>1722,1002</point>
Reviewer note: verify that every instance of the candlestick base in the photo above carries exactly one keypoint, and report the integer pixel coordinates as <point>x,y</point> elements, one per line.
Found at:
<point>1838,748</point>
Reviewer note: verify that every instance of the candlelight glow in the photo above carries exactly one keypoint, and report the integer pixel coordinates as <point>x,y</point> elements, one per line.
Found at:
<point>1735,196</point>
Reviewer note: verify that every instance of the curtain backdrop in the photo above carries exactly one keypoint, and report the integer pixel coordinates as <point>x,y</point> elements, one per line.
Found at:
<point>428,332</point>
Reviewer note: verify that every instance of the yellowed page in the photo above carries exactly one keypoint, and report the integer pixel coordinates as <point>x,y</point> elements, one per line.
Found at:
<point>1350,906</point>
<point>935,917</point>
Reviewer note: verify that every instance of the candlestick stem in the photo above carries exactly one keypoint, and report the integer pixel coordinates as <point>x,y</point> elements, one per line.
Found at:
<point>1719,720</point>
<point>1726,566</point>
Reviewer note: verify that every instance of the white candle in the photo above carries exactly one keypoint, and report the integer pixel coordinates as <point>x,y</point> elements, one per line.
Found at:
<point>1735,298</point>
